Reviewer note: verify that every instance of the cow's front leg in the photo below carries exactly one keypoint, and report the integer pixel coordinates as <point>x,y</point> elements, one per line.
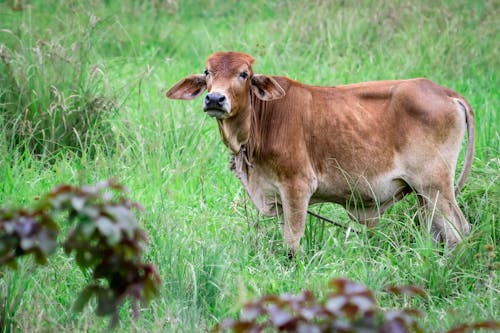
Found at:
<point>294,201</point>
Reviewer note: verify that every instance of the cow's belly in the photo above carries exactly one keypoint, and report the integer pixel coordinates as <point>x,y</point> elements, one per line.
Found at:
<point>334,187</point>
<point>345,189</point>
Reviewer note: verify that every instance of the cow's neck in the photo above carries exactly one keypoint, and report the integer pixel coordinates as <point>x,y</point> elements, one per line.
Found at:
<point>235,131</point>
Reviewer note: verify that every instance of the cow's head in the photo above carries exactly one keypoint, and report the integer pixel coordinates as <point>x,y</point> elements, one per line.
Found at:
<point>229,79</point>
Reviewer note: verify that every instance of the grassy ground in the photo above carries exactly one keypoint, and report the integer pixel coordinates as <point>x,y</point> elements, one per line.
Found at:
<point>212,249</point>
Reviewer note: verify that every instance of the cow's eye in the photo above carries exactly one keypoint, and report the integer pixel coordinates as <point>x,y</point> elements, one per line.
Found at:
<point>206,72</point>
<point>243,75</point>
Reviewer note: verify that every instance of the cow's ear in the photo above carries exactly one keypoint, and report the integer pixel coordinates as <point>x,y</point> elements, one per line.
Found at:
<point>266,88</point>
<point>188,88</point>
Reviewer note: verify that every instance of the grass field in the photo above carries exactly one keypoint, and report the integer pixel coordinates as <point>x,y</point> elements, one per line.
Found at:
<point>211,247</point>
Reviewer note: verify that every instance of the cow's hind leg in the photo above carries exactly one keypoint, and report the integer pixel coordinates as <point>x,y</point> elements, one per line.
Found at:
<point>370,215</point>
<point>437,200</point>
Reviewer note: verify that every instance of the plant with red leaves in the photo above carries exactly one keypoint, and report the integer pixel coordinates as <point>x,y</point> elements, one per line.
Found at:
<point>105,236</point>
<point>349,308</point>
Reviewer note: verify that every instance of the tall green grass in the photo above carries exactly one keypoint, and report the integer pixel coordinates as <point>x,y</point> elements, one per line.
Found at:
<point>212,248</point>
<point>53,97</point>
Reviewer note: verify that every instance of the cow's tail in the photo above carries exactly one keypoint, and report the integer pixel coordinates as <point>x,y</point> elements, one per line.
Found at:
<point>469,153</point>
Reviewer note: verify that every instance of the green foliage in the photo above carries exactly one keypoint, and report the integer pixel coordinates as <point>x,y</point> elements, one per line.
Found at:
<point>350,307</point>
<point>105,236</point>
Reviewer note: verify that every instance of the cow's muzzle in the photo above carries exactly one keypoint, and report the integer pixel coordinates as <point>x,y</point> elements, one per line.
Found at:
<point>216,105</point>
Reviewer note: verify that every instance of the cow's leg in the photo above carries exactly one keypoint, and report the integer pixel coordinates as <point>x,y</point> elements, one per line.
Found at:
<point>294,201</point>
<point>438,201</point>
<point>370,215</point>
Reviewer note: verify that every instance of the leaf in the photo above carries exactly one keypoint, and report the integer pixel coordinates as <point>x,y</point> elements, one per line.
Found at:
<point>251,312</point>
<point>311,312</point>
<point>92,211</point>
<point>58,201</point>
<point>9,226</point>
<point>109,230</point>
<point>354,288</point>
<point>149,290</point>
<point>9,261</point>
<point>464,328</point>
<point>47,241</point>
<point>491,324</point>
<point>84,298</point>
<point>78,202</point>
<point>406,290</point>
<point>405,316</point>
<point>105,302</point>
<point>27,243</point>
<point>363,303</point>
<point>25,226</point>
<point>394,326</point>
<point>351,311</point>
<point>151,284</point>
<point>86,228</point>
<point>278,317</point>
<point>60,190</point>
<point>308,328</point>
<point>238,326</point>
<point>84,259</point>
<point>48,223</point>
<point>40,257</point>
<point>335,304</point>
<point>124,218</point>
<point>345,286</point>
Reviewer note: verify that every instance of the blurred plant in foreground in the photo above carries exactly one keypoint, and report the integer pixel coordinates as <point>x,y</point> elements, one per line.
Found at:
<point>104,235</point>
<point>350,307</point>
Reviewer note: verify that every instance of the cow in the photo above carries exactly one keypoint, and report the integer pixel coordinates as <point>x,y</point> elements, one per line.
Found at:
<point>363,146</point>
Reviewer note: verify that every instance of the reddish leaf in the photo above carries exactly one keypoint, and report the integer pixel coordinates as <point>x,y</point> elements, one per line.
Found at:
<point>345,286</point>
<point>251,312</point>
<point>406,290</point>
<point>335,304</point>
<point>238,327</point>
<point>363,303</point>
<point>394,326</point>
<point>487,325</point>
<point>77,202</point>
<point>308,328</point>
<point>84,297</point>
<point>278,317</point>
<point>106,238</point>
<point>311,312</point>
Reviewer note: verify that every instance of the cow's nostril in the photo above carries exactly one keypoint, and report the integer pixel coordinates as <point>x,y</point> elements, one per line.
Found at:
<point>215,100</point>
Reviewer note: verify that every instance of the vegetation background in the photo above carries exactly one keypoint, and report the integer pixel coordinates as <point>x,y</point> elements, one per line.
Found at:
<point>82,86</point>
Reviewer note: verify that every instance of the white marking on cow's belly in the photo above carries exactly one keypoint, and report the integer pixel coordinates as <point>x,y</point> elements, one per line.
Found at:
<point>264,192</point>
<point>387,185</point>
<point>378,189</point>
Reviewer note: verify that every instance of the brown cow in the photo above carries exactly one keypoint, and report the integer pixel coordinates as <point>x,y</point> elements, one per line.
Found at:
<point>362,145</point>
